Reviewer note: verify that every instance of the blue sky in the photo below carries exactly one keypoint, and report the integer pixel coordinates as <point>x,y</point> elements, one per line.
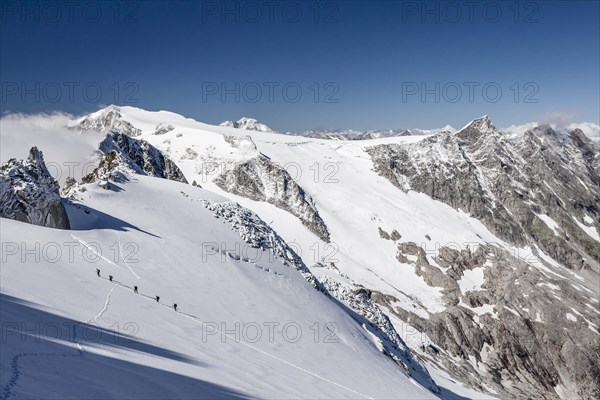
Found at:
<point>304,64</point>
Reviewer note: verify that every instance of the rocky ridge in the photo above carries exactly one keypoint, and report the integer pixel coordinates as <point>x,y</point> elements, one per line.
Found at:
<point>521,317</point>
<point>30,194</point>
<point>542,189</point>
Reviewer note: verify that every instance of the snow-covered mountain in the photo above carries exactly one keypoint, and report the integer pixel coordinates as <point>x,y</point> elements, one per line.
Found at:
<point>249,124</point>
<point>252,124</point>
<point>539,192</point>
<point>452,264</point>
<point>337,134</point>
<point>332,134</point>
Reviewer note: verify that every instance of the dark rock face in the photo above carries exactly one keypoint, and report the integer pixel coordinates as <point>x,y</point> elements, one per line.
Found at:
<point>262,180</point>
<point>30,194</point>
<point>383,234</point>
<point>137,155</point>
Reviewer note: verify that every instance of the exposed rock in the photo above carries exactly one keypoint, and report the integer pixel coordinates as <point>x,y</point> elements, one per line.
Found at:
<point>30,194</point>
<point>70,182</point>
<point>515,187</point>
<point>538,334</point>
<point>530,330</point>
<point>244,144</point>
<point>109,167</point>
<point>350,134</point>
<point>258,234</point>
<point>190,154</point>
<point>359,299</point>
<point>249,124</point>
<point>138,156</point>
<point>383,234</point>
<point>163,128</point>
<point>260,179</point>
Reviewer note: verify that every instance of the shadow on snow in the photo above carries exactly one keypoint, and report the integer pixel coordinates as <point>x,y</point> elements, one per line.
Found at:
<point>37,344</point>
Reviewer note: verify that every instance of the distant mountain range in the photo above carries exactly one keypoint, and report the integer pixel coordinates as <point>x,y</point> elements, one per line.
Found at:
<point>251,124</point>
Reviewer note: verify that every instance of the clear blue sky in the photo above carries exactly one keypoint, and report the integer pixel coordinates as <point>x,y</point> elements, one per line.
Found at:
<point>373,58</point>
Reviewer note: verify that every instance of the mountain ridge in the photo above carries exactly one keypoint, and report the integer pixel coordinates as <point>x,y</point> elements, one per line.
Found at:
<point>460,242</point>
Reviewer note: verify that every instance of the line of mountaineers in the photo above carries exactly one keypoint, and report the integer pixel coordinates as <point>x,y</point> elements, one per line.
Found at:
<point>135,289</point>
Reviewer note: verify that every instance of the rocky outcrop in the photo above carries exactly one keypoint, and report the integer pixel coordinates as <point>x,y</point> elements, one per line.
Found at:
<point>350,134</point>
<point>258,178</point>
<point>258,234</point>
<point>395,235</point>
<point>523,331</point>
<point>249,124</point>
<point>121,149</point>
<point>30,194</point>
<point>262,180</point>
<point>163,128</point>
<point>360,300</point>
<point>523,327</point>
<point>138,156</point>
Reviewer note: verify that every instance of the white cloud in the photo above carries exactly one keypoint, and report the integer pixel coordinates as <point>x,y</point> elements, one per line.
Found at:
<point>559,119</point>
<point>566,120</point>
<point>20,132</point>
<point>591,129</point>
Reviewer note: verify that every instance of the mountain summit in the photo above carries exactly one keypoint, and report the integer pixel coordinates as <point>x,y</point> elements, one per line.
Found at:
<point>478,127</point>
<point>249,124</point>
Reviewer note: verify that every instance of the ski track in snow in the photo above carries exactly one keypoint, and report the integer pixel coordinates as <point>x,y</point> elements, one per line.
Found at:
<point>93,319</point>
<point>124,260</point>
<point>87,246</point>
<point>106,303</point>
<point>197,320</point>
<point>8,389</point>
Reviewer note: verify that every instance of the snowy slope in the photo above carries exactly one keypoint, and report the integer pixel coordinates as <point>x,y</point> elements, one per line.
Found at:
<point>361,209</point>
<point>391,246</point>
<point>160,232</point>
<point>353,215</point>
<point>337,184</point>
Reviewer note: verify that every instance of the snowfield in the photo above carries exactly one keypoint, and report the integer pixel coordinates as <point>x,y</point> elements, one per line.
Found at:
<point>243,329</point>
<point>336,181</point>
<point>251,323</point>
